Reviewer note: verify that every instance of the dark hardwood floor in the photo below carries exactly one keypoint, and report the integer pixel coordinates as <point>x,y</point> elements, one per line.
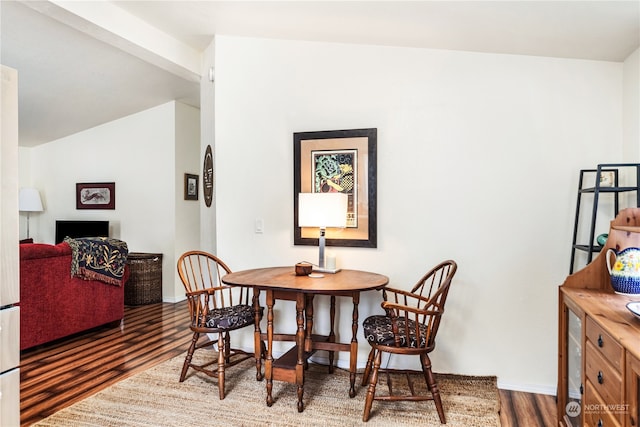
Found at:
<point>59,374</point>
<point>519,409</point>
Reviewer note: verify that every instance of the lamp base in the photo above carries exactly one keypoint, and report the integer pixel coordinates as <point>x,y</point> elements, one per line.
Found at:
<point>325,270</point>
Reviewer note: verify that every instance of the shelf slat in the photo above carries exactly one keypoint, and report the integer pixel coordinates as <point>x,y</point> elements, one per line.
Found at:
<point>608,189</point>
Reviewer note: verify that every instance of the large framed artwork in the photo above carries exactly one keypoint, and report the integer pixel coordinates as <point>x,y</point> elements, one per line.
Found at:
<point>338,161</point>
<point>96,195</point>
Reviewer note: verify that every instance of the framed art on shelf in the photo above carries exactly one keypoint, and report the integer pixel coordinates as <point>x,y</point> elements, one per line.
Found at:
<point>338,161</point>
<point>96,195</point>
<point>190,186</point>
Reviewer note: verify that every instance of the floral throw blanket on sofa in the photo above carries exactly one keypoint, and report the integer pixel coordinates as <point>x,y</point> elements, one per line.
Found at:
<point>98,258</point>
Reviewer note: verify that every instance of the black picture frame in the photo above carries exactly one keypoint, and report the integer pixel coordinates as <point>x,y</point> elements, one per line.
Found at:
<point>354,149</point>
<point>190,186</point>
<point>96,195</point>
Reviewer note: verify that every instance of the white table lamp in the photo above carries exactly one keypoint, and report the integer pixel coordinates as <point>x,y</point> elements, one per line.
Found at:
<point>322,210</point>
<point>29,201</point>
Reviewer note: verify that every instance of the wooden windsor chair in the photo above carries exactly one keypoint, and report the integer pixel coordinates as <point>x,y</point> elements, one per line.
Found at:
<point>215,308</point>
<point>409,327</point>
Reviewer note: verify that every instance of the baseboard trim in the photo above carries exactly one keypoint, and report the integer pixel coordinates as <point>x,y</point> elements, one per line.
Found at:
<point>528,388</point>
<point>173,300</point>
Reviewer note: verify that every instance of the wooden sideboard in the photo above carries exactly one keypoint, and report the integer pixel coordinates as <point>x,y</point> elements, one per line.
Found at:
<point>599,341</point>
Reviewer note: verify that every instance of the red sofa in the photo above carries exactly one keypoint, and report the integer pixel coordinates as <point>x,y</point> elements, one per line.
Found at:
<point>55,305</point>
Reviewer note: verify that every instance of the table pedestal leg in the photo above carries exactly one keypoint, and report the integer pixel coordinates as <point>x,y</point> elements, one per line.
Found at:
<point>257,340</point>
<point>353,354</point>
<point>268,364</point>
<point>308,314</point>
<point>300,341</point>
<point>332,333</point>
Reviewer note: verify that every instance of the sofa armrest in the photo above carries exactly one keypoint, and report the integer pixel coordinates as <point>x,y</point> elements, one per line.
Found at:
<point>43,250</point>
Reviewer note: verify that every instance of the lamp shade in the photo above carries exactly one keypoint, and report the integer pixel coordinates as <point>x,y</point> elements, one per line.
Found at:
<point>322,210</point>
<point>29,200</point>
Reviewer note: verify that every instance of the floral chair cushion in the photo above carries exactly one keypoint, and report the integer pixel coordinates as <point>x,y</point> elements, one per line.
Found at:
<point>378,330</point>
<point>229,318</point>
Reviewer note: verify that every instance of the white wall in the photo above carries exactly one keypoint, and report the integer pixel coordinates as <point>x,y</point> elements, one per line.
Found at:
<point>478,160</point>
<point>207,126</point>
<point>631,107</point>
<point>24,179</point>
<point>146,155</point>
<point>187,221</point>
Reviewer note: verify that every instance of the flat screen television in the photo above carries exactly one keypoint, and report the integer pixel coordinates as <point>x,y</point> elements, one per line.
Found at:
<point>76,229</point>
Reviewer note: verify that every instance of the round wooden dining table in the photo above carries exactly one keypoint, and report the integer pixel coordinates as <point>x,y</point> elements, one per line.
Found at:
<point>281,283</point>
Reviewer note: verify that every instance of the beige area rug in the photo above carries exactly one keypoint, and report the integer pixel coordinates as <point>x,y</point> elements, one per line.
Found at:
<point>155,398</point>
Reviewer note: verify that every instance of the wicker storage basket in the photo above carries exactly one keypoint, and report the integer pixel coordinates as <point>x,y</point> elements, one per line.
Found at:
<point>145,279</point>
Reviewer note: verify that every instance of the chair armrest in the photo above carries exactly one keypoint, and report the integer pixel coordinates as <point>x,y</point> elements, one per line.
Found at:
<point>223,295</point>
<point>395,311</point>
<point>208,291</point>
<point>402,298</point>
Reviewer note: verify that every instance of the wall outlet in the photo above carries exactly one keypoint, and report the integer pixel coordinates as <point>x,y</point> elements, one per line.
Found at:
<point>259,226</point>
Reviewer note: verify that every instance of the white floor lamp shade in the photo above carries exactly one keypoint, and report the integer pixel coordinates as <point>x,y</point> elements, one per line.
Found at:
<point>29,201</point>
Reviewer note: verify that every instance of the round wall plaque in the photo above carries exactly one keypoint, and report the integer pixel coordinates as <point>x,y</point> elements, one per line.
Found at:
<point>207,176</point>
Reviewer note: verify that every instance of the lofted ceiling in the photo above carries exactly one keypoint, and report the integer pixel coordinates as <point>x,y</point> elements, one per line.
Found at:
<point>79,67</point>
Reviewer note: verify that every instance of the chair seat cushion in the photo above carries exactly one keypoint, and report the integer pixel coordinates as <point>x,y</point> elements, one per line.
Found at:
<point>233,317</point>
<point>378,330</point>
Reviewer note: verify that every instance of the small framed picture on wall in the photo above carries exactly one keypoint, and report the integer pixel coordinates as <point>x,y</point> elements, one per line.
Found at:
<point>96,195</point>
<point>190,186</point>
